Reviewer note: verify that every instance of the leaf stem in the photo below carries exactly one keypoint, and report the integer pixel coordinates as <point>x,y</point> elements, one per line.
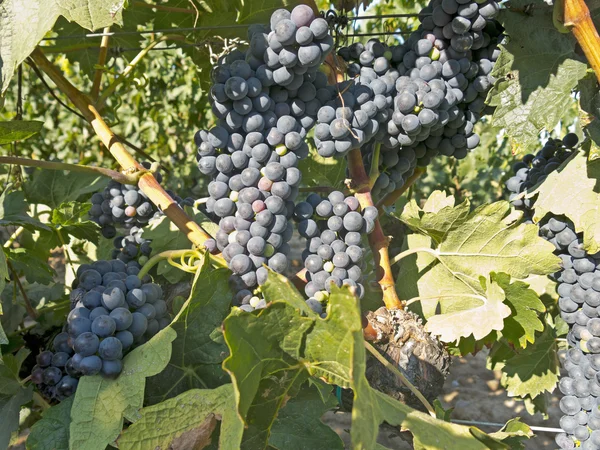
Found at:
<point>28,306</point>
<point>115,175</point>
<point>412,251</point>
<point>401,376</point>
<point>95,91</point>
<point>374,172</point>
<point>134,62</point>
<point>379,243</point>
<point>147,182</point>
<point>391,198</point>
<point>577,15</point>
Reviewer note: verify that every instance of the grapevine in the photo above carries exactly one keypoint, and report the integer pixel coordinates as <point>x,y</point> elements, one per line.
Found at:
<point>220,224</point>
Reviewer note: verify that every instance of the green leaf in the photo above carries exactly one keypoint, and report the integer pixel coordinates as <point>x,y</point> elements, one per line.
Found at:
<point>72,219</point>
<point>24,25</point>
<point>556,195</point>
<point>18,130</point>
<point>186,421</point>
<point>263,364</point>
<point>525,305</point>
<point>477,321</point>
<point>319,171</point>
<point>12,395</point>
<point>101,404</point>
<point>54,187</point>
<point>534,370</point>
<point>13,211</point>
<point>32,266</point>
<point>279,287</point>
<point>51,432</point>
<point>473,246</point>
<point>199,348</point>
<point>298,425</point>
<point>259,11</point>
<point>536,71</point>
<point>513,433</point>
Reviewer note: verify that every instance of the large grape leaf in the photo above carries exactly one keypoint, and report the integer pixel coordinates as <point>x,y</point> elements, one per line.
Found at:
<point>536,71</point>
<point>457,249</point>
<point>187,421</point>
<point>575,192</point>
<point>31,266</point>
<point>23,23</point>
<point>590,112</point>
<point>13,394</point>
<point>280,339</point>
<point>54,187</point>
<point>52,430</point>
<point>18,130</point>
<point>199,348</point>
<point>101,404</point>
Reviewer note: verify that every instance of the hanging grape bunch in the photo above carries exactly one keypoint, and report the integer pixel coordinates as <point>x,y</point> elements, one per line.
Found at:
<point>423,97</point>
<point>334,255</point>
<point>266,101</point>
<point>579,298</point>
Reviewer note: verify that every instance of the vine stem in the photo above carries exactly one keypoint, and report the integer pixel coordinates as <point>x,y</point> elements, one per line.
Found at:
<point>115,175</point>
<point>95,91</point>
<point>14,237</point>
<point>134,62</point>
<point>401,376</point>
<point>28,306</point>
<point>577,16</point>
<point>147,183</point>
<point>412,251</point>
<point>393,196</point>
<point>379,243</point>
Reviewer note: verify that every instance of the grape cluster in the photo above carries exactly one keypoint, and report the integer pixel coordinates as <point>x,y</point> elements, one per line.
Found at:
<point>121,205</point>
<point>132,247</point>
<point>579,299</point>
<point>333,227</point>
<point>266,99</point>
<point>533,169</point>
<point>54,374</point>
<point>113,311</point>
<point>425,94</point>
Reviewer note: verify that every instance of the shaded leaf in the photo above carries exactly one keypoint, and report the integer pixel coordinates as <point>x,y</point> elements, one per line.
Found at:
<point>536,68</point>
<point>199,349</point>
<point>52,430</point>
<point>12,395</point>
<point>188,418</point>
<point>54,187</point>
<point>34,268</point>
<point>319,171</point>
<point>18,130</point>
<point>101,404</point>
<point>513,433</point>
<point>13,211</point>
<point>534,370</point>
<point>299,426</point>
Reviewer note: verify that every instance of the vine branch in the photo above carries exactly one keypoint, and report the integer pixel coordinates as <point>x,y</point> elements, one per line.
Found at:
<point>377,240</point>
<point>577,16</point>
<point>147,182</point>
<point>115,175</point>
<point>101,62</point>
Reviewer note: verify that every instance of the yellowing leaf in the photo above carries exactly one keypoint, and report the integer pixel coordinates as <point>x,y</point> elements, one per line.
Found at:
<point>477,321</point>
